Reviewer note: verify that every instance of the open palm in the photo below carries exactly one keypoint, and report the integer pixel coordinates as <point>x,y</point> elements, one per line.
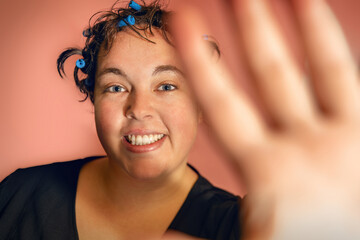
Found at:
<point>301,171</point>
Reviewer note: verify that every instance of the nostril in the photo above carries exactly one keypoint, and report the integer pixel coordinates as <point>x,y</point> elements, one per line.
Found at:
<point>139,104</point>
<point>136,111</point>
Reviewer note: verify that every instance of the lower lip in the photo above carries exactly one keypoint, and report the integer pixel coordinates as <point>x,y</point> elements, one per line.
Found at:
<point>143,148</point>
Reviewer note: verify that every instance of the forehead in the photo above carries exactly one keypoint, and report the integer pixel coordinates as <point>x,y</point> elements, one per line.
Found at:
<point>129,49</point>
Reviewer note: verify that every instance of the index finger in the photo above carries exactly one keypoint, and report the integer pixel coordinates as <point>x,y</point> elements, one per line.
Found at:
<point>235,120</point>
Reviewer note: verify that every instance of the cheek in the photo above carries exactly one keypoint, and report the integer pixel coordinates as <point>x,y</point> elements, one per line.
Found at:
<point>183,119</point>
<point>105,119</point>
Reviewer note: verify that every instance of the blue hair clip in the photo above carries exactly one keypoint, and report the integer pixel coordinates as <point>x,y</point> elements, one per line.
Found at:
<point>80,63</point>
<point>129,20</point>
<point>134,5</point>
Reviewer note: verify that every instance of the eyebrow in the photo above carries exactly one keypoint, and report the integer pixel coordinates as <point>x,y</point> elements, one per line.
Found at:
<point>164,68</point>
<point>158,70</point>
<point>113,70</point>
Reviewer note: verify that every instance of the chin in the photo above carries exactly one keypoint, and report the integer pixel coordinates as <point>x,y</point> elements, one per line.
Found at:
<point>146,169</point>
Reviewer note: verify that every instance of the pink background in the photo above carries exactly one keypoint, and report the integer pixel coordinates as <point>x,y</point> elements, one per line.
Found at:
<point>41,118</point>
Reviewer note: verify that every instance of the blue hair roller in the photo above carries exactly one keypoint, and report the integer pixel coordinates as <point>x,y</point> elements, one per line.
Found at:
<point>88,83</point>
<point>87,33</point>
<point>134,5</point>
<point>80,63</point>
<point>129,20</point>
<point>121,23</point>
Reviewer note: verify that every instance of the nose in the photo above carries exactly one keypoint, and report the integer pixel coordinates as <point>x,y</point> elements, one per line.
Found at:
<point>139,106</point>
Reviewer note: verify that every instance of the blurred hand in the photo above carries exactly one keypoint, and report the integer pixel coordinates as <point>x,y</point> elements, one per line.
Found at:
<point>301,171</point>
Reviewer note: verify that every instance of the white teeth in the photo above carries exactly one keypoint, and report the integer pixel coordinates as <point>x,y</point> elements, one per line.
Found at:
<point>138,140</point>
<point>144,139</point>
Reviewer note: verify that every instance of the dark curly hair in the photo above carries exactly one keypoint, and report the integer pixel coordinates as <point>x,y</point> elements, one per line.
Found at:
<point>102,32</point>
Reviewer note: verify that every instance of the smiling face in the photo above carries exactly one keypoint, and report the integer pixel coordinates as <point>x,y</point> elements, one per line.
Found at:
<point>146,117</point>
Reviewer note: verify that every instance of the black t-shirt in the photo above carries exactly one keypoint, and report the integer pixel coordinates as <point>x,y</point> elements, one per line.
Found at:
<point>39,203</point>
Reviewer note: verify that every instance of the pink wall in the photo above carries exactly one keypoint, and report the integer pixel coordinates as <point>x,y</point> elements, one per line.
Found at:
<point>41,118</point>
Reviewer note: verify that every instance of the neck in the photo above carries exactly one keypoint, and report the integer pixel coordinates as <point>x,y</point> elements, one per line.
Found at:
<point>125,190</point>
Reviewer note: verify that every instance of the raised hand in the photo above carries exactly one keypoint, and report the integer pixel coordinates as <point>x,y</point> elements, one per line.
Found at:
<point>301,171</point>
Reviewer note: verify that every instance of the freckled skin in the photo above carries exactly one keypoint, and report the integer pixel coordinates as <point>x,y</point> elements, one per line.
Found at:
<point>143,104</point>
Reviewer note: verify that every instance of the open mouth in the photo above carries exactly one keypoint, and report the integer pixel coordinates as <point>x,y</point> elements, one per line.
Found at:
<point>140,140</point>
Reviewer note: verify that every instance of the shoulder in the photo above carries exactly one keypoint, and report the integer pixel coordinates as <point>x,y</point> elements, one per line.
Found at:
<point>31,198</point>
<point>204,191</point>
<point>219,204</point>
<point>35,175</point>
<point>25,181</point>
<point>214,212</point>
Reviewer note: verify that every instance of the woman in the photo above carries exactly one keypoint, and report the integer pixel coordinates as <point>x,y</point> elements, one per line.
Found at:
<point>302,169</point>
<point>146,119</point>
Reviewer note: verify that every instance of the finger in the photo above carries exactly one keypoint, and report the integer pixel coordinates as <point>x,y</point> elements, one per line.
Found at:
<point>231,115</point>
<point>335,76</point>
<point>279,80</point>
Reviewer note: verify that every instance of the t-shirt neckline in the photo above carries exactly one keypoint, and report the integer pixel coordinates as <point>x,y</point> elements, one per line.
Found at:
<point>82,162</point>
